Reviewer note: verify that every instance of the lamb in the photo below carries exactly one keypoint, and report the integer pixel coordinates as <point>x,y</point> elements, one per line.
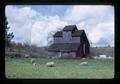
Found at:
<point>84,63</point>
<point>32,60</point>
<point>50,64</point>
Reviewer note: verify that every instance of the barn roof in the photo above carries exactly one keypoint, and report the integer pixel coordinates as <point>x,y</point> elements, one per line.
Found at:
<point>63,47</point>
<point>77,33</point>
<point>70,28</point>
<point>58,34</point>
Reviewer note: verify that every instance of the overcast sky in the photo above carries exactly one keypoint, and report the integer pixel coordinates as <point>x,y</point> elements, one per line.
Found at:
<point>37,23</point>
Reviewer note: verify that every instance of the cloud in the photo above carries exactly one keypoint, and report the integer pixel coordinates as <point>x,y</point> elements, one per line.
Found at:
<point>97,21</point>
<point>20,22</point>
<point>42,28</point>
<point>30,25</point>
<point>38,26</point>
<point>86,12</point>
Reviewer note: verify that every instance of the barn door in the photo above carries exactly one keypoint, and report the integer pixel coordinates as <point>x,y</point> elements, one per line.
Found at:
<point>84,49</point>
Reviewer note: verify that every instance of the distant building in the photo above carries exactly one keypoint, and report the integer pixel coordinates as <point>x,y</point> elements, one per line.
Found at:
<point>70,43</point>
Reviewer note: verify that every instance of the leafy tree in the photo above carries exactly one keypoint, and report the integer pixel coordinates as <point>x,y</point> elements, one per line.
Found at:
<point>8,36</point>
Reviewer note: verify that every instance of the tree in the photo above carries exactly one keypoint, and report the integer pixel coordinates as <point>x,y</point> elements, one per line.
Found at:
<point>8,36</point>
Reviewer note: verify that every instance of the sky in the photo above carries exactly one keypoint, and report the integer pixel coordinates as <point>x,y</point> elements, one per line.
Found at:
<point>36,24</point>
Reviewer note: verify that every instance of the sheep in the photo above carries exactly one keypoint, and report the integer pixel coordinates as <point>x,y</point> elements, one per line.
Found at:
<point>96,57</point>
<point>50,64</point>
<point>83,58</point>
<point>26,55</point>
<point>109,57</point>
<point>32,60</point>
<point>102,56</point>
<point>34,64</point>
<point>84,63</point>
<point>55,57</point>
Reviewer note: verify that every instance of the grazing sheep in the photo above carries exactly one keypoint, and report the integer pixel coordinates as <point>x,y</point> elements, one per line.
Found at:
<point>32,60</point>
<point>102,56</point>
<point>96,57</point>
<point>50,64</point>
<point>34,64</point>
<point>83,58</point>
<point>26,55</point>
<point>110,57</point>
<point>84,63</point>
<point>55,57</point>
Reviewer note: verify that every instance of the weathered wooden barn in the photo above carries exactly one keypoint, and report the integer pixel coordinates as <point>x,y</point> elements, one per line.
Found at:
<point>70,43</point>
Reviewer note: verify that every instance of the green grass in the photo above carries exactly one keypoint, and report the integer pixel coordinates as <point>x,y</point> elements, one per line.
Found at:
<point>21,68</point>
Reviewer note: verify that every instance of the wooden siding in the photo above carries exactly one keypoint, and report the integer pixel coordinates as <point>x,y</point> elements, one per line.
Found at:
<point>75,40</point>
<point>66,36</point>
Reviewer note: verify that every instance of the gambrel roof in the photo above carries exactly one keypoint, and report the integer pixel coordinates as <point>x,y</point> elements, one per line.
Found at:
<point>58,34</point>
<point>64,47</point>
<point>70,28</point>
<point>76,33</point>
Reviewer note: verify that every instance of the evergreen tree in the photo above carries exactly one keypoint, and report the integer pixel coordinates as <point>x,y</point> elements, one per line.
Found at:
<point>8,36</point>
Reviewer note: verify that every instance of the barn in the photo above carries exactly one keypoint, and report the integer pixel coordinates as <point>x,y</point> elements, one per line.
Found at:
<point>70,43</point>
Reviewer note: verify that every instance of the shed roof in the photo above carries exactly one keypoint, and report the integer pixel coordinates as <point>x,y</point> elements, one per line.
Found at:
<point>70,28</point>
<point>58,34</point>
<point>77,33</point>
<point>63,47</point>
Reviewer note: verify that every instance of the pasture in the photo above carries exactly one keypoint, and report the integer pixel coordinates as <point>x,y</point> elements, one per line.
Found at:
<point>22,68</point>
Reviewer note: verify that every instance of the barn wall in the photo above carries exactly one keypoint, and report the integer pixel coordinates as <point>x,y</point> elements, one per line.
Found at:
<point>75,40</point>
<point>66,38</point>
<point>58,40</point>
<point>52,54</point>
<point>61,54</point>
<point>69,55</point>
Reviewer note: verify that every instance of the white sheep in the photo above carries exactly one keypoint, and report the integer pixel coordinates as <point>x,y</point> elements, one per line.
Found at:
<point>109,57</point>
<point>50,64</point>
<point>32,60</point>
<point>96,57</point>
<point>34,64</point>
<point>102,56</point>
<point>26,55</point>
<point>83,58</point>
<point>84,63</point>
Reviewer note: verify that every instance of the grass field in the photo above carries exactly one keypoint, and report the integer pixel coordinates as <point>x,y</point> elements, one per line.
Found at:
<point>21,68</point>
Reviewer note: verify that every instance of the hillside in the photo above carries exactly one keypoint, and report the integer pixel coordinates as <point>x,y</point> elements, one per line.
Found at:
<point>95,51</point>
<point>33,51</point>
